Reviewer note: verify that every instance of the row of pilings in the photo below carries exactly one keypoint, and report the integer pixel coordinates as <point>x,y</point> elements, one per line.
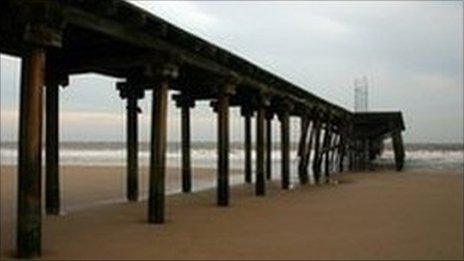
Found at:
<point>324,140</point>
<point>327,139</point>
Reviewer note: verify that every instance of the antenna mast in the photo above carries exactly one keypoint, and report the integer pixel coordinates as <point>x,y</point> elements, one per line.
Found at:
<point>361,92</point>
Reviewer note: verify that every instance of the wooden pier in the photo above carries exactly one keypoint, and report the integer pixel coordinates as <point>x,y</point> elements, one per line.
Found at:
<point>56,39</point>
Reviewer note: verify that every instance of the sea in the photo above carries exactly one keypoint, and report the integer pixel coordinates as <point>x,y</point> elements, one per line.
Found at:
<point>419,156</point>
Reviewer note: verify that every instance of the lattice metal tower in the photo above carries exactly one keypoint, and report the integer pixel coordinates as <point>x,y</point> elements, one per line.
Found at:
<point>361,92</point>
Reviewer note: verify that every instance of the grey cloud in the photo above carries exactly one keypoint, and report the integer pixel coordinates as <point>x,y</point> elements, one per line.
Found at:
<point>411,51</point>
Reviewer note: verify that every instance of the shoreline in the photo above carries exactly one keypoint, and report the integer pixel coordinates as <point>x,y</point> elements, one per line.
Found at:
<point>376,215</point>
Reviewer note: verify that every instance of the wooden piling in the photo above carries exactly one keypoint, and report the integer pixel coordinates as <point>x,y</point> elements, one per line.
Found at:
<point>350,152</point>
<point>223,144</point>
<point>398,149</point>
<point>317,140</point>
<point>366,159</point>
<point>326,142</point>
<point>353,159</point>
<point>52,184</point>
<point>260,180</point>
<point>247,113</point>
<point>132,92</point>
<point>342,152</point>
<point>269,116</point>
<point>28,236</point>
<point>156,198</point>
<point>186,162</point>
<point>302,148</point>
<point>309,149</point>
<point>284,117</point>
<point>132,149</point>
<point>335,153</point>
<point>333,150</point>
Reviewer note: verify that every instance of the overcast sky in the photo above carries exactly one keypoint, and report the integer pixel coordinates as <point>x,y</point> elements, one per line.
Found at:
<point>411,52</point>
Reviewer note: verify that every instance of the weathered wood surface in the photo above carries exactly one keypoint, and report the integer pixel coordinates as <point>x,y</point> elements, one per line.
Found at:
<point>52,184</point>
<point>132,149</point>
<point>247,113</point>
<point>398,148</point>
<point>260,178</point>
<point>30,155</point>
<point>223,145</point>
<point>317,152</point>
<point>132,93</point>
<point>186,153</point>
<point>326,152</point>
<point>309,149</point>
<point>156,197</point>
<point>269,116</point>
<point>284,118</point>
<point>302,151</point>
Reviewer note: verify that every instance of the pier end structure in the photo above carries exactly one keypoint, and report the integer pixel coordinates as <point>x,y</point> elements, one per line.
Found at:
<point>371,129</point>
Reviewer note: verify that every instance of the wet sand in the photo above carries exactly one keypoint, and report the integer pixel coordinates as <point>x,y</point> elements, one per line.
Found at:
<point>379,215</point>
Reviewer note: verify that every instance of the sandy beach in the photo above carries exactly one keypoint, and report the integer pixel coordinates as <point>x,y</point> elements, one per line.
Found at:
<point>377,215</point>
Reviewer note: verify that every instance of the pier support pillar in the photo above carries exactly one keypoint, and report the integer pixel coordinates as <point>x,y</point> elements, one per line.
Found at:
<point>351,156</point>
<point>317,156</point>
<point>302,147</point>
<point>284,118</point>
<point>132,144</point>
<point>247,113</point>
<point>350,145</point>
<point>326,151</point>
<point>260,186</point>
<point>222,108</point>
<point>132,94</point>
<point>365,156</point>
<point>52,184</point>
<point>334,152</point>
<point>262,104</point>
<point>307,156</point>
<point>185,103</point>
<point>156,197</point>
<point>269,116</point>
<point>132,149</point>
<point>39,35</point>
<point>29,158</point>
<point>342,151</point>
<point>398,149</point>
<point>186,162</point>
